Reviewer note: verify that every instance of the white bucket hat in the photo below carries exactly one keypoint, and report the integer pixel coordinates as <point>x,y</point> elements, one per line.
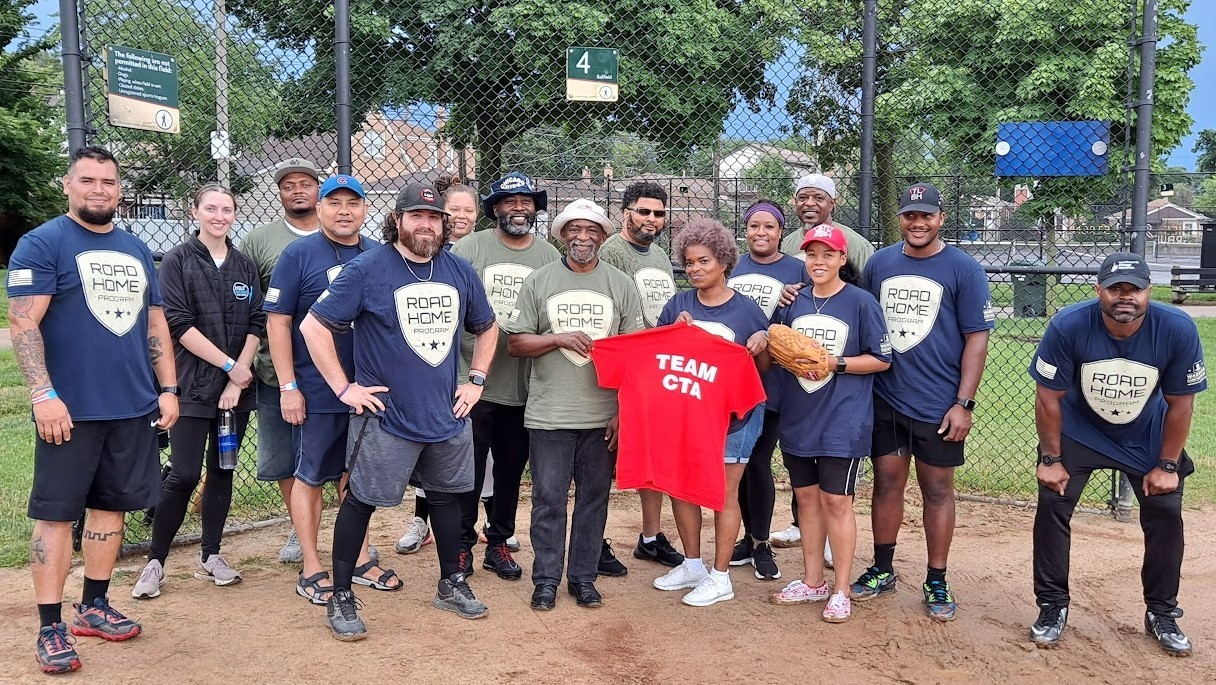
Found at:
<point>581,209</point>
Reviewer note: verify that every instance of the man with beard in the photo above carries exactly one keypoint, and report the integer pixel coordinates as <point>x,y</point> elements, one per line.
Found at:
<point>815,200</point>
<point>298,181</point>
<point>644,215</point>
<point>502,257</point>
<point>404,305</point>
<point>90,338</point>
<point>1116,383</point>
<point>563,308</point>
<point>318,419</point>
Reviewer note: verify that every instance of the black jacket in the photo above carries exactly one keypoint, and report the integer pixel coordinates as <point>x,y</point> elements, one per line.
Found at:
<point>224,304</point>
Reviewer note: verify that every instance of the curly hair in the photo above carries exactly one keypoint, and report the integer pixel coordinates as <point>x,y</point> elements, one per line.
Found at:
<point>641,189</point>
<point>714,236</point>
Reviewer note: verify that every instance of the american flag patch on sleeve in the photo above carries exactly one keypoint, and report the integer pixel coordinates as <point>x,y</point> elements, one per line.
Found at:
<point>1045,370</point>
<point>20,277</point>
<point>272,295</point>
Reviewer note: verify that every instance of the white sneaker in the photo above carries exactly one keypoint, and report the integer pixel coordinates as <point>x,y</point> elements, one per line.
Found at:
<point>513,543</point>
<point>417,535</point>
<point>150,580</point>
<point>216,570</point>
<point>790,537</point>
<point>839,609</point>
<point>291,552</point>
<point>682,577</point>
<point>827,554</point>
<point>716,587</point>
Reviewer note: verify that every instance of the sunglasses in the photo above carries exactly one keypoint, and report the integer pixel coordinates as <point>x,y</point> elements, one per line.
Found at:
<point>642,211</point>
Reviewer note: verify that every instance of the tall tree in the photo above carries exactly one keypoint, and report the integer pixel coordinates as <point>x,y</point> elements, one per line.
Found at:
<point>1205,145</point>
<point>500,64</point>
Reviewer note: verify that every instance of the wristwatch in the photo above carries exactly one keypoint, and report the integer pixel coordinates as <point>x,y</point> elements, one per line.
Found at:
<point>840,365</point>
<point>171,389</point>
<point>1049,459</point>
<point>479,381</point>
<point>1168,466</point>
<point>966,403</point>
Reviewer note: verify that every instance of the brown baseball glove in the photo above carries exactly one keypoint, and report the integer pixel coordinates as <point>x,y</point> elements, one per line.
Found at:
<point>801,355</point>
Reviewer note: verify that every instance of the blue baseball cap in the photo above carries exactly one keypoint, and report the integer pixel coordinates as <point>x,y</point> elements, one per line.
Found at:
<point>342,182</point>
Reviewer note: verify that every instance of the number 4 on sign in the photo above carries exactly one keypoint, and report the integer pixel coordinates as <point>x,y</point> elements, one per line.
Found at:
<point>584,63</point>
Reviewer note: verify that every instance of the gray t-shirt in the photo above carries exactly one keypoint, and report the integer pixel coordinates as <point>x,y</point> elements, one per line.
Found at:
<point>502,270</point>
<point>860,249</point>
<point>564,393</point>
<point>263,245</point>
<point>650,270</point>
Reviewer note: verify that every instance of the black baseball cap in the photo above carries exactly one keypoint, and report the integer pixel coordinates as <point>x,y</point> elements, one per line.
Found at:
<point>419,196</point>
<point>921,197</point>
<point>1124,267</point>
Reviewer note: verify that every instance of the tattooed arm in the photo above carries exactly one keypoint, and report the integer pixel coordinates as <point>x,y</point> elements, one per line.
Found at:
<point>25,314</point>
<point>163,363</point>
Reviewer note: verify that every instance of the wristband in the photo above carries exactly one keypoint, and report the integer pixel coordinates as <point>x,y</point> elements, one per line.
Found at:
<point>344,390</point>
<point>229,365</point>
<point>48,396</point>
<point>289,386</point>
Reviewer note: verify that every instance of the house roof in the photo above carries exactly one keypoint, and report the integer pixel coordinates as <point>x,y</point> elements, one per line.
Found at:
<point>1164,206</point>
<point>791,157</point>
<point>319,148</point>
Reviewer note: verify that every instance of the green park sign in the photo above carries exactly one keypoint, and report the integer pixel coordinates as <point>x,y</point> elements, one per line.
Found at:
<point>591,74</point>
<point>142,90</point>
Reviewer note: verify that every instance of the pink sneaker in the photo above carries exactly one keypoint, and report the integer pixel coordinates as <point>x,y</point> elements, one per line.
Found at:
<point>839,609</point>
<point>798,592</point>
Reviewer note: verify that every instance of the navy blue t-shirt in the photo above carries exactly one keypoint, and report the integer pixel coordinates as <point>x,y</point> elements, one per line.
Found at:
<point>95,331</point>
<point>304,270</point>
<point>735,320</point>
<point>764,283</point>
<point>832,417</point>
<point>930,304</point>
<point>1114,390</point>
<point>407,333</point>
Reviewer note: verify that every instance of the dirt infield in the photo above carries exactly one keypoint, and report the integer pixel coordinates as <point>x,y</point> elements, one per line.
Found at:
<point>260,631</point>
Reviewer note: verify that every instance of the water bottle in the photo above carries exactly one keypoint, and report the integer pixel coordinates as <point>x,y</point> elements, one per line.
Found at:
<point>227,436</point>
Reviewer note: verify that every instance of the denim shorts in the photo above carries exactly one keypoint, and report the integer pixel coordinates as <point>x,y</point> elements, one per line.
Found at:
<point>739,444</point>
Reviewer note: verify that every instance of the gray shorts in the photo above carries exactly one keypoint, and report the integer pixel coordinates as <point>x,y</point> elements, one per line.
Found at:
<point>276,460</point>
<point>384,463</point>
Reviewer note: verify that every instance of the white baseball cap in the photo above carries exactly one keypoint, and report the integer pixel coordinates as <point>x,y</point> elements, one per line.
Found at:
<point>820,181</point>
<point>581,209</point>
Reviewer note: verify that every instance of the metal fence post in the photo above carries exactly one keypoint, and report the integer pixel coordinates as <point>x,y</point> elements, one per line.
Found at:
<point>1144,126</point>
<point>73,78</point>
<point>869,68</point>
<point>342,81</point>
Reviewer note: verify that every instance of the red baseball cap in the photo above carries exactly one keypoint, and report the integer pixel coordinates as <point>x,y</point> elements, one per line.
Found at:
<point>828,235</point>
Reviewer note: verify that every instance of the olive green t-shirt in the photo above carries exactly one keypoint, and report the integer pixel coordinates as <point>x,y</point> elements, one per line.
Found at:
<point>502,270</point>
<point>563,392</point>
<point>860,249</point>
<point>650,270</point>
<point>263,245</point>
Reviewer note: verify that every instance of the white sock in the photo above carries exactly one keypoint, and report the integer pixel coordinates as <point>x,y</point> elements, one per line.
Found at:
<point>695,564</point>
<point>649,539</point>
<point>719,574</point>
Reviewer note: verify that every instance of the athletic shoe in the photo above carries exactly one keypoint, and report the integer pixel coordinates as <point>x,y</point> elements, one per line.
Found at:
<point>291,552</point>
<point>1164,628</point>
<point>466,563</point>
<point>513,543</point>
<point>103,621</point>
<point>585,595</point>
<point>765,563</point>
<point>417,535</point>
<point>839,609</point>
<point>872,583</point>
<point>742,553</point>
<point>940,601</point>
<point>682,577</point>
<point>660,550</point>
<point>713,588</point>
<point>827,555</point>
<point>455,595</point>
<point>798,592</point>
<point>544,597</point>
<point>609,565</point>
<point>1047,630</point>
<point>55,651</point>
<point>216,570</point>
<point>498,559</point>
<point>150,580</point>
<point>342,616</point>
<point>790,537</point>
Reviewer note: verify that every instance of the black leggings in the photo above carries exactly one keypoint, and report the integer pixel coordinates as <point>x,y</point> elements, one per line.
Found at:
<point>355,515</point>
<point>757,493</point>
<point>191,441</point>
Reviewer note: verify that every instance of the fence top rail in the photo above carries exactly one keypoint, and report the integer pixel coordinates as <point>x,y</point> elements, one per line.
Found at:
<point>1043,269</point>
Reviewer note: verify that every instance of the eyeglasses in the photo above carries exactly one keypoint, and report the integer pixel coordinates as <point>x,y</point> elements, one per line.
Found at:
<point>643,211</point>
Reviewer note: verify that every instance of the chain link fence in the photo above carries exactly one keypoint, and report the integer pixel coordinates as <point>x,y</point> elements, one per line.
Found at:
<point>721,103</point>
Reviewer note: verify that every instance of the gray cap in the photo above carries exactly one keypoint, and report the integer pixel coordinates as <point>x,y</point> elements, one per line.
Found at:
<point>296,165</point>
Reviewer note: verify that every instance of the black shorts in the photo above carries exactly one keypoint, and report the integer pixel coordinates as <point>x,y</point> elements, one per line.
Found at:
<point>107,465</point>
<point>319,445</point>
<point>898,433</point>
<point>833,475</point>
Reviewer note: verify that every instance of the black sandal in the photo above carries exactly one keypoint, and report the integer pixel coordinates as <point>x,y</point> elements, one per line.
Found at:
<point>310,588</point>
<point>381,583</point>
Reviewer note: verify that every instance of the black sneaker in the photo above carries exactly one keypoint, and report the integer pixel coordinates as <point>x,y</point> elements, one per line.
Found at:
<point>610,566</point>
<point>455,595</point>
<point>342,616</point>
<point>1047,630</point>
<point>55,651</point>
<point>498,560</point>
<point>765,562</point>
<point>1164,628</point>
<point>742,554</point>
<point>660,550</point>
<point>466,563</point>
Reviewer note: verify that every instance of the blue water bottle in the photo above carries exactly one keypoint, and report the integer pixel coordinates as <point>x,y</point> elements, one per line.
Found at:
<point>227,437</point>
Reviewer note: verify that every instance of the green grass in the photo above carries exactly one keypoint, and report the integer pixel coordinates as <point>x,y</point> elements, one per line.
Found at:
<point>4,299</point>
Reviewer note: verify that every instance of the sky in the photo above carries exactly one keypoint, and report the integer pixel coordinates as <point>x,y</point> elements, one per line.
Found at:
<point>1202,13</point>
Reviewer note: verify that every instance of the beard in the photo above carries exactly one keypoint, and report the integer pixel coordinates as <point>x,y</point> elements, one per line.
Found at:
<point>506,224</point>
<point>426,246</point>
<point>583,254</point>
<point>96,217</point>
<point>642,237</point>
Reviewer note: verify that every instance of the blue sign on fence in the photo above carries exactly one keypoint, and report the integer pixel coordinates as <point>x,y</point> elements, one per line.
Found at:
<point>1053,148</point>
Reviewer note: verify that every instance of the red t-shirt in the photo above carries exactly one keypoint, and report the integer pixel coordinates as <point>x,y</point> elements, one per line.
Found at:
<point>677,388</point>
